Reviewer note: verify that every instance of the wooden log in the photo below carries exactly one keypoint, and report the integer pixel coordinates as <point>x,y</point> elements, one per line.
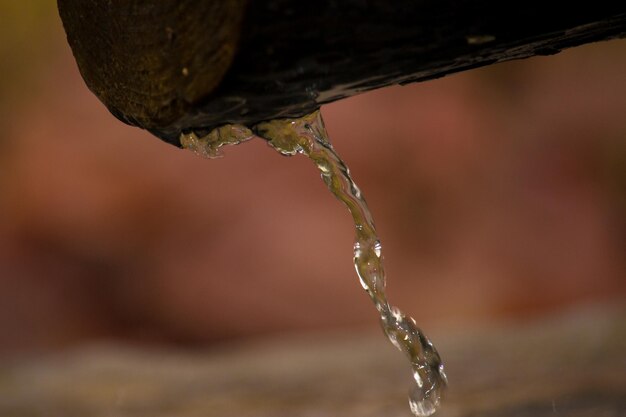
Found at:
<point>151,61</point>
<point>571,366</point>
<point>244,62</point>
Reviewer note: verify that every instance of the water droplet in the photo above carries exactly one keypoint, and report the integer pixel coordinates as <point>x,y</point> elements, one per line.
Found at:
<point>209,146</point>
<point>420,405</point>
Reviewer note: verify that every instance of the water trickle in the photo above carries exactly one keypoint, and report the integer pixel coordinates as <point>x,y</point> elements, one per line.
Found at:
<point>209,146</point>
<point>307,135</point>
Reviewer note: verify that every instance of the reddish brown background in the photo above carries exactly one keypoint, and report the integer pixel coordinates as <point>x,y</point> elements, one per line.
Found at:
<point>498,194</point>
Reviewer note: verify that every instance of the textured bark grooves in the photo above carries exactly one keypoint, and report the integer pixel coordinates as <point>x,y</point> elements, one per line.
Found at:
<point>288,57</point>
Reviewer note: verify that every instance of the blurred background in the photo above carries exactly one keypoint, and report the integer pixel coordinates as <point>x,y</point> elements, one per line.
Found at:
<point>499,194</point>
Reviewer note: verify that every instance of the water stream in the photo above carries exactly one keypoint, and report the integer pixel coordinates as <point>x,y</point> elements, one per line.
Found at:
<point>307,135</point>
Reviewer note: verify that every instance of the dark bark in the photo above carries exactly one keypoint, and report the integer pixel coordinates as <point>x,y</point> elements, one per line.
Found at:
<point>295,56</point>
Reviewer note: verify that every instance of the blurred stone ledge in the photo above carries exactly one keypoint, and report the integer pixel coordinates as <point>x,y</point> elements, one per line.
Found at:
<point>571,365</point>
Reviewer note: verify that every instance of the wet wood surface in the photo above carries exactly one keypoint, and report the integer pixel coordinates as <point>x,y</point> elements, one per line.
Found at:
<point>572,366</point>
<point>288,57</point>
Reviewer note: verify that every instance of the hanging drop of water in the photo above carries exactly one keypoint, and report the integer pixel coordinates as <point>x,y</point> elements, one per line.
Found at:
<point>209,146</point>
